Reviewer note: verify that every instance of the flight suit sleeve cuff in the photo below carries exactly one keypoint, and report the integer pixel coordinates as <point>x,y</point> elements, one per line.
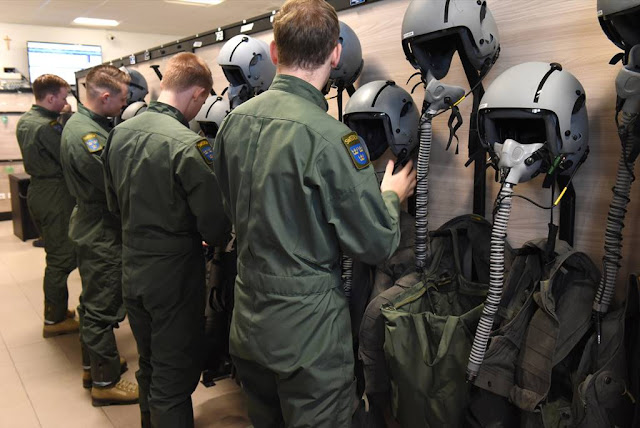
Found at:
<point>392,202</point>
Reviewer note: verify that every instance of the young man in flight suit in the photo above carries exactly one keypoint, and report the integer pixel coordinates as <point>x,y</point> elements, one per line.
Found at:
<point>160,177</point>
<point>300,187</point>
<point>50,203</point>
<point>98,235</point>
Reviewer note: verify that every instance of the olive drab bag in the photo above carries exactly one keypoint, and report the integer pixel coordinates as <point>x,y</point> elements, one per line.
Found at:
<point>632,344</point>
<point>542,367</point>
<point>605,387</point>
<point>429,327</point>
<point>221,273</point>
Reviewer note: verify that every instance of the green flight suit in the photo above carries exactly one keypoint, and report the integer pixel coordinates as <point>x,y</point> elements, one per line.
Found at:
<point>50,203</point>
<point>159,176</point>
<point>299,188</point>
<point>98,238</point>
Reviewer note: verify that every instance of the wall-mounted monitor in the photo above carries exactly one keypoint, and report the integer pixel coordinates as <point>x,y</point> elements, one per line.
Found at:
<point>62,59</point>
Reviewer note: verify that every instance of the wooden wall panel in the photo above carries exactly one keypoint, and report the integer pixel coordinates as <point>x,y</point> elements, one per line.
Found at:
<point>546,30</point>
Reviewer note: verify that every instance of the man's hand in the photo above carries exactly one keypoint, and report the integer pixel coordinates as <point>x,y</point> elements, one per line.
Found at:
<point>403,182</point>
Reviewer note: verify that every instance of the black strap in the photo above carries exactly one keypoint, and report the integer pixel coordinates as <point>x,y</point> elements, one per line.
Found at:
<point>387,83</point>
<point>616,58</point>
<point>339,99</point>
<point>457,117</point>
<point>156,68</point>
<point>244,39</point>
<point>550,246</point>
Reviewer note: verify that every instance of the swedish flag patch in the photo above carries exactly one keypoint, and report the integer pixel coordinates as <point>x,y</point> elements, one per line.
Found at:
<point>57,126</point>
<point>205,150</point>
<point>91,141</point>
<point>356,150</point>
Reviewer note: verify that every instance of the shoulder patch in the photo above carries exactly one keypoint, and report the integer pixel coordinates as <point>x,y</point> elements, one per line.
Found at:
<point>57,126</point>
<point>205,149</point>
<point>356,150</point>
<point>91,141</point>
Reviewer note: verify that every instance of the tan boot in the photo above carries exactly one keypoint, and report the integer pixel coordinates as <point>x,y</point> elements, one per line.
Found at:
<point>123,392</point>
<point>87,382</point>
<point>67,326</point>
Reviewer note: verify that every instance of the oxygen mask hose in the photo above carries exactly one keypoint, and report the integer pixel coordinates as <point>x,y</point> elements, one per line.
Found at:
<point>628,91</point>
<point>347,275</point>
<point>615,220</point>
<point>422,193</point>
<point>518,159</point>
<point>496,280</point>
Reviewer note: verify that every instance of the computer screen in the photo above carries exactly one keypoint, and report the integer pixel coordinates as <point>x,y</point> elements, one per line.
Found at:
<point>62,59</point>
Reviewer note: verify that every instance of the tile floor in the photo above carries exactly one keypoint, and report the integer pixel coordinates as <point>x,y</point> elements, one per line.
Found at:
<point>40,379</point>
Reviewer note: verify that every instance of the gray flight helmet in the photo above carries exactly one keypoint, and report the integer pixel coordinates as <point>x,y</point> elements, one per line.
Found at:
<point>133,109</point>
<point>247,61</point>
<point>537,102</point>
<point>211,115</point>
<point>138,88</point>
<point>433,30</point>
<point>351,62</point>
<point>620,21</point>
<point>384,115</point>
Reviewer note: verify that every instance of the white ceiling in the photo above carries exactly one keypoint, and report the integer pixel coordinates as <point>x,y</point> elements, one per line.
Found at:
<point>140,16</point>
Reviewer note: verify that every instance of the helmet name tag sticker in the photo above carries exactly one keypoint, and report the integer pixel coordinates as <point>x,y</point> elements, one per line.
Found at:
<point>356,150</point>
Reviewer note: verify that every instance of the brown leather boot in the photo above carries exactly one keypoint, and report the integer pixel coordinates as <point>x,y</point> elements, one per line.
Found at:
<point>69,325</point>
<point>123,392</point>
<point>87,382</point>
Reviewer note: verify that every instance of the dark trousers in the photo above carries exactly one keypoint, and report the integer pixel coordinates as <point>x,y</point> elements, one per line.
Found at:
<point>50,205</point>
<point>168,326</point>
<point>305,400</point>
<point>97,235</point>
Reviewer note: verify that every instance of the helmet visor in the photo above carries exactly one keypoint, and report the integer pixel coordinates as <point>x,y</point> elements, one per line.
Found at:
<point>234,75</point>
<point>209,129</point>
<point>523,126</point>
<point>374,129</point>
<point>433,52</point>
<point>623,28</point>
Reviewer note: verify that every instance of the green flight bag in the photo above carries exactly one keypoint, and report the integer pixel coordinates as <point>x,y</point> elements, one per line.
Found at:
<point>430,327</point>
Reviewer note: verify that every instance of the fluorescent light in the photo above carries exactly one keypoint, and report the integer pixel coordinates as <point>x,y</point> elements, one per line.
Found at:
<point>96,22</point>
<point>196,2</point>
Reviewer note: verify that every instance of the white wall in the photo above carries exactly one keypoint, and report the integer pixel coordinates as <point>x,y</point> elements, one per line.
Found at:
<point>124,43</point>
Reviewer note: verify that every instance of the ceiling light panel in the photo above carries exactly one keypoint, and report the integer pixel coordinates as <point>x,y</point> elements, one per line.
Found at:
<point>95,22</point>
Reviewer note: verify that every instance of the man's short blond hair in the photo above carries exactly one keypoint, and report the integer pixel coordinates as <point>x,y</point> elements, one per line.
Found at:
<point>48,84</point>
<point>305,32</point>
<point>105,77</point>
<point>184,71</point>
